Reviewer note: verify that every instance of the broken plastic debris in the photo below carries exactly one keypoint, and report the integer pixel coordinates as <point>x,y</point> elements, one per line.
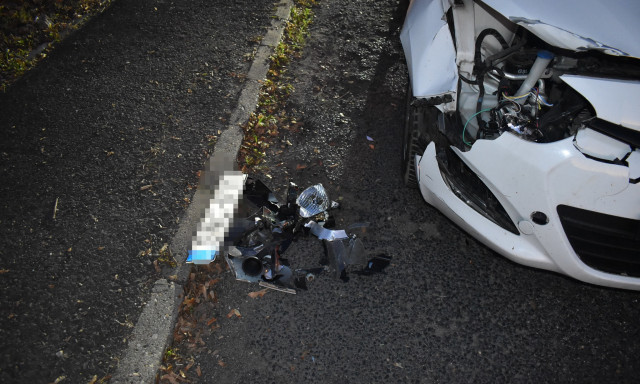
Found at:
<point>369,138</point>
<point>313,201</point>
<point>345,252</point>
<point>252,229</point>
<point>325,234</point>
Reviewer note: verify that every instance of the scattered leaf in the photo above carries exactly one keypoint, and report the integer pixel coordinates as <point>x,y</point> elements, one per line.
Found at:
<point>222,363</point>
<point>93,379</point>
<point>211,321</point>
<point>260,293</point>
<point>100,248</point>
<point>198,371</point>
<point>156,266</point>
<point>145,187</point>
<point>301,166</point>
<point>3,271</point>
<point>234,312</point>
<point>204,293</point>
<point>372,146</point>
<point>171,377</point>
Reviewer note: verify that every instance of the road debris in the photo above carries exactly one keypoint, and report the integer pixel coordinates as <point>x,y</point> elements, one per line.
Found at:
<point>234,312</point>
<point>259,293</point>
<point>245,222</point>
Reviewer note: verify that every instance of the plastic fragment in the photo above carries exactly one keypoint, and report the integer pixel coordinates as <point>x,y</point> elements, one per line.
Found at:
<point>325,234</point>
<point>313,201</point>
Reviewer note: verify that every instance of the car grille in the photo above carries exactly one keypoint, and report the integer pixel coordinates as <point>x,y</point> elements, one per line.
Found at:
<point>468,187</point>
<point>604,242</point>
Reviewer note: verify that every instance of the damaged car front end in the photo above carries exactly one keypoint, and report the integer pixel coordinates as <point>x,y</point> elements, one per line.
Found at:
<point>523,127</point>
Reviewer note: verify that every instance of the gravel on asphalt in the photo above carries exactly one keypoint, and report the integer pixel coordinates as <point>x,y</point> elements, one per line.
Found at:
<point>447,309</point>
<point>100,146</point>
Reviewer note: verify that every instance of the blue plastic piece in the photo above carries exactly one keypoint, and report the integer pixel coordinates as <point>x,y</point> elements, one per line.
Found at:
<point>201,256</point>
<point>544,54</point>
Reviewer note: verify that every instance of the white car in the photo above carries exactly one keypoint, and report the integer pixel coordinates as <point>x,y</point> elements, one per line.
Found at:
<point>523,127</point>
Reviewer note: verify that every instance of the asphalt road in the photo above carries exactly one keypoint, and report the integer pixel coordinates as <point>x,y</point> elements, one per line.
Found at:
<point>133,99</point>
<point>447,309</point>
<point>99,152</point>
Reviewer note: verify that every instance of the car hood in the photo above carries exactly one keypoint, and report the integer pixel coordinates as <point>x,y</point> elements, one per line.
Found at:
<point>609,26</point>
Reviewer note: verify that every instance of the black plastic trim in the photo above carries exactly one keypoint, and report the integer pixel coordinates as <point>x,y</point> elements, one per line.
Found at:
<point>469,188</point>
<point>604,242</point>
<point>627,135</point>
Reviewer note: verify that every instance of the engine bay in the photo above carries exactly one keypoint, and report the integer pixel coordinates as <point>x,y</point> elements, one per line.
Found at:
<point>517,88</point>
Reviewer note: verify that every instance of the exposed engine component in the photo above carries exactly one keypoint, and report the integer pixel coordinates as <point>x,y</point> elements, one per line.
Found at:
<point>519,90</point>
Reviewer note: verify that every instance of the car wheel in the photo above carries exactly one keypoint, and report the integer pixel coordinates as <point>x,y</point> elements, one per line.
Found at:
<point>415,138</point>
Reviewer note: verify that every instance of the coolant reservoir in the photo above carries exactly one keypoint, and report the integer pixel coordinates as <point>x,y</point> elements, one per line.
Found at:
<point>468,99</point>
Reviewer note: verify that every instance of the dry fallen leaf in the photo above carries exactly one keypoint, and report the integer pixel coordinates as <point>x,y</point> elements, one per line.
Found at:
<point>198,371</point>
<point>260,293</point>
<point>211,321</point>
<point>222,363</point>
<point>234,312</point>
<point>372,146</point>
<point>100,248</point>
<point>3,271</point>
<point>145,187</point>
<point>301,166</point>
<point>204,293</point>
<point>171,377</point>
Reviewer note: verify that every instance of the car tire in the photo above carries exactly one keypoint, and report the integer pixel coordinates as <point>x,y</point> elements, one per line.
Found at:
<point>415,137</point>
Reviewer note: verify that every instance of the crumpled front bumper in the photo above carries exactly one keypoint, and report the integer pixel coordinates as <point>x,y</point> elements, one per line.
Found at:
<point>529,177</point>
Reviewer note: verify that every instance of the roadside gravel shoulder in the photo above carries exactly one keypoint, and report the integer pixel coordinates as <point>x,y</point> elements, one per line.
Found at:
<point>154,329</point>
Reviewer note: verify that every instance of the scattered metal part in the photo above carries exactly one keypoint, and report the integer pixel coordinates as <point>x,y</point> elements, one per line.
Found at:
<point>261,229</point>
<point>325,234</point>
<point>277,288</point>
